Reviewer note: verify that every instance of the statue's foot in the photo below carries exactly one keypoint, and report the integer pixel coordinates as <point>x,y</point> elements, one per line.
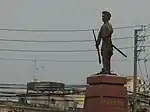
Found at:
<point>99,73</point>
<point>113,74</point>
<point>104,71</point>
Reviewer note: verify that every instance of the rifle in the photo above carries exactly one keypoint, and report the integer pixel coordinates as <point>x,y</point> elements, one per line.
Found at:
<point>119,51</point>
<point>97,47</point>
<point>112,45</point>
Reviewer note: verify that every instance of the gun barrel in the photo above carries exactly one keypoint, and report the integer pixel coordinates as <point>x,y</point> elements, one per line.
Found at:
<point>119,51</point>
<point>97,48</point>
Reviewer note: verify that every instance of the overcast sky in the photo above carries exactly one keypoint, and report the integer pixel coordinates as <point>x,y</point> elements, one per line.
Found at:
<point>66,14</point>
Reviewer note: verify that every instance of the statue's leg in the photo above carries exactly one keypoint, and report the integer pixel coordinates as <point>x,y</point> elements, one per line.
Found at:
<point>110,53</point>
<point>105,60</point>
<point>107,63</point>
<point>104,64</point>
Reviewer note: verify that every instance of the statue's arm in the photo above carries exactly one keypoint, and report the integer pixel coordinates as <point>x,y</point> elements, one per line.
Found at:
<point>99,37</point>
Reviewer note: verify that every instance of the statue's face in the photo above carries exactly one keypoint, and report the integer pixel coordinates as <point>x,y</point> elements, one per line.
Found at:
<point>104,17</point>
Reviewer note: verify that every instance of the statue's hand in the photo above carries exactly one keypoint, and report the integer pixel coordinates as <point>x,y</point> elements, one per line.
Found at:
<point>97,44</point>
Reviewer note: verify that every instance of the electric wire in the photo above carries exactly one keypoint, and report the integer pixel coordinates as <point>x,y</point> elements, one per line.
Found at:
<point>138,56</point>
<point>140,69</point>
<point>145,60</point>
<point>55,51</point>
<point>63,30</point>
<point>146,70</point>
<point>144,37</point>
<point>60,41</point>
<point>63,61</point>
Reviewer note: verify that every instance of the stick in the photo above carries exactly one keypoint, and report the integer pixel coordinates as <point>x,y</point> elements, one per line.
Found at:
<point>119,51</point>
<point>96,47</point>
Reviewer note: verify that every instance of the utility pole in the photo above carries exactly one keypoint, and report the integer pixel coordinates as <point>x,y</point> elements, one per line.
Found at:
<point>136,51</point>
<point>135,72</point>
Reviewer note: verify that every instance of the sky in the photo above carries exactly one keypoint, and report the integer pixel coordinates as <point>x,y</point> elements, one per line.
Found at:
<point>66,14</point>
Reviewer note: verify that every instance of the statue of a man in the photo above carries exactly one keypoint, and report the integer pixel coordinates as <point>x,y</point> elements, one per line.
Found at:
<point>105,34</point>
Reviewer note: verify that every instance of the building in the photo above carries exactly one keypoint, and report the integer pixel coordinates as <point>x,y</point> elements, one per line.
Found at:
<point>66,102</point>
<point>5,109</point>
<point>130,81</point>
<point>15,108</point>
<point>52,101</point>
<point>76,101</point>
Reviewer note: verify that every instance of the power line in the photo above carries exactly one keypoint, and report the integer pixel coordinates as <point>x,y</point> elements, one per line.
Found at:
<point>135,70</point>
<point>145,65</point>
<point>134,26</point>
<point>146,70</point>
<point>48,41</point>
<point>141,42</point>
<point>13,85</point>
<point>76,61</point>
<point>24,50</point>
<point>64,30</point>
<point>140,69</point>
<point>146,46</point>
<point>143,38</point>
<point>60,41</point>
<point>54,51</point>
<point>63,41</point>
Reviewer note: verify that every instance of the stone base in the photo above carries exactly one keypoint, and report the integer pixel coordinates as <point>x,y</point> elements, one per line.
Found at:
<point>106,93</point>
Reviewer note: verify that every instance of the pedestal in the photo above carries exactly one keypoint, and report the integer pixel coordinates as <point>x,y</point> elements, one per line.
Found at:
<point>106,94</point>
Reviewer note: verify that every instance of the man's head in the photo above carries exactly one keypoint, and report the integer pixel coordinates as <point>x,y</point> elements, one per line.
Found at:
<point>106,16</point>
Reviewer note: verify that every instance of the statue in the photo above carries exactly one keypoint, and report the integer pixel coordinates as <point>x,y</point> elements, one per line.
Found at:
<point>105,35</point>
